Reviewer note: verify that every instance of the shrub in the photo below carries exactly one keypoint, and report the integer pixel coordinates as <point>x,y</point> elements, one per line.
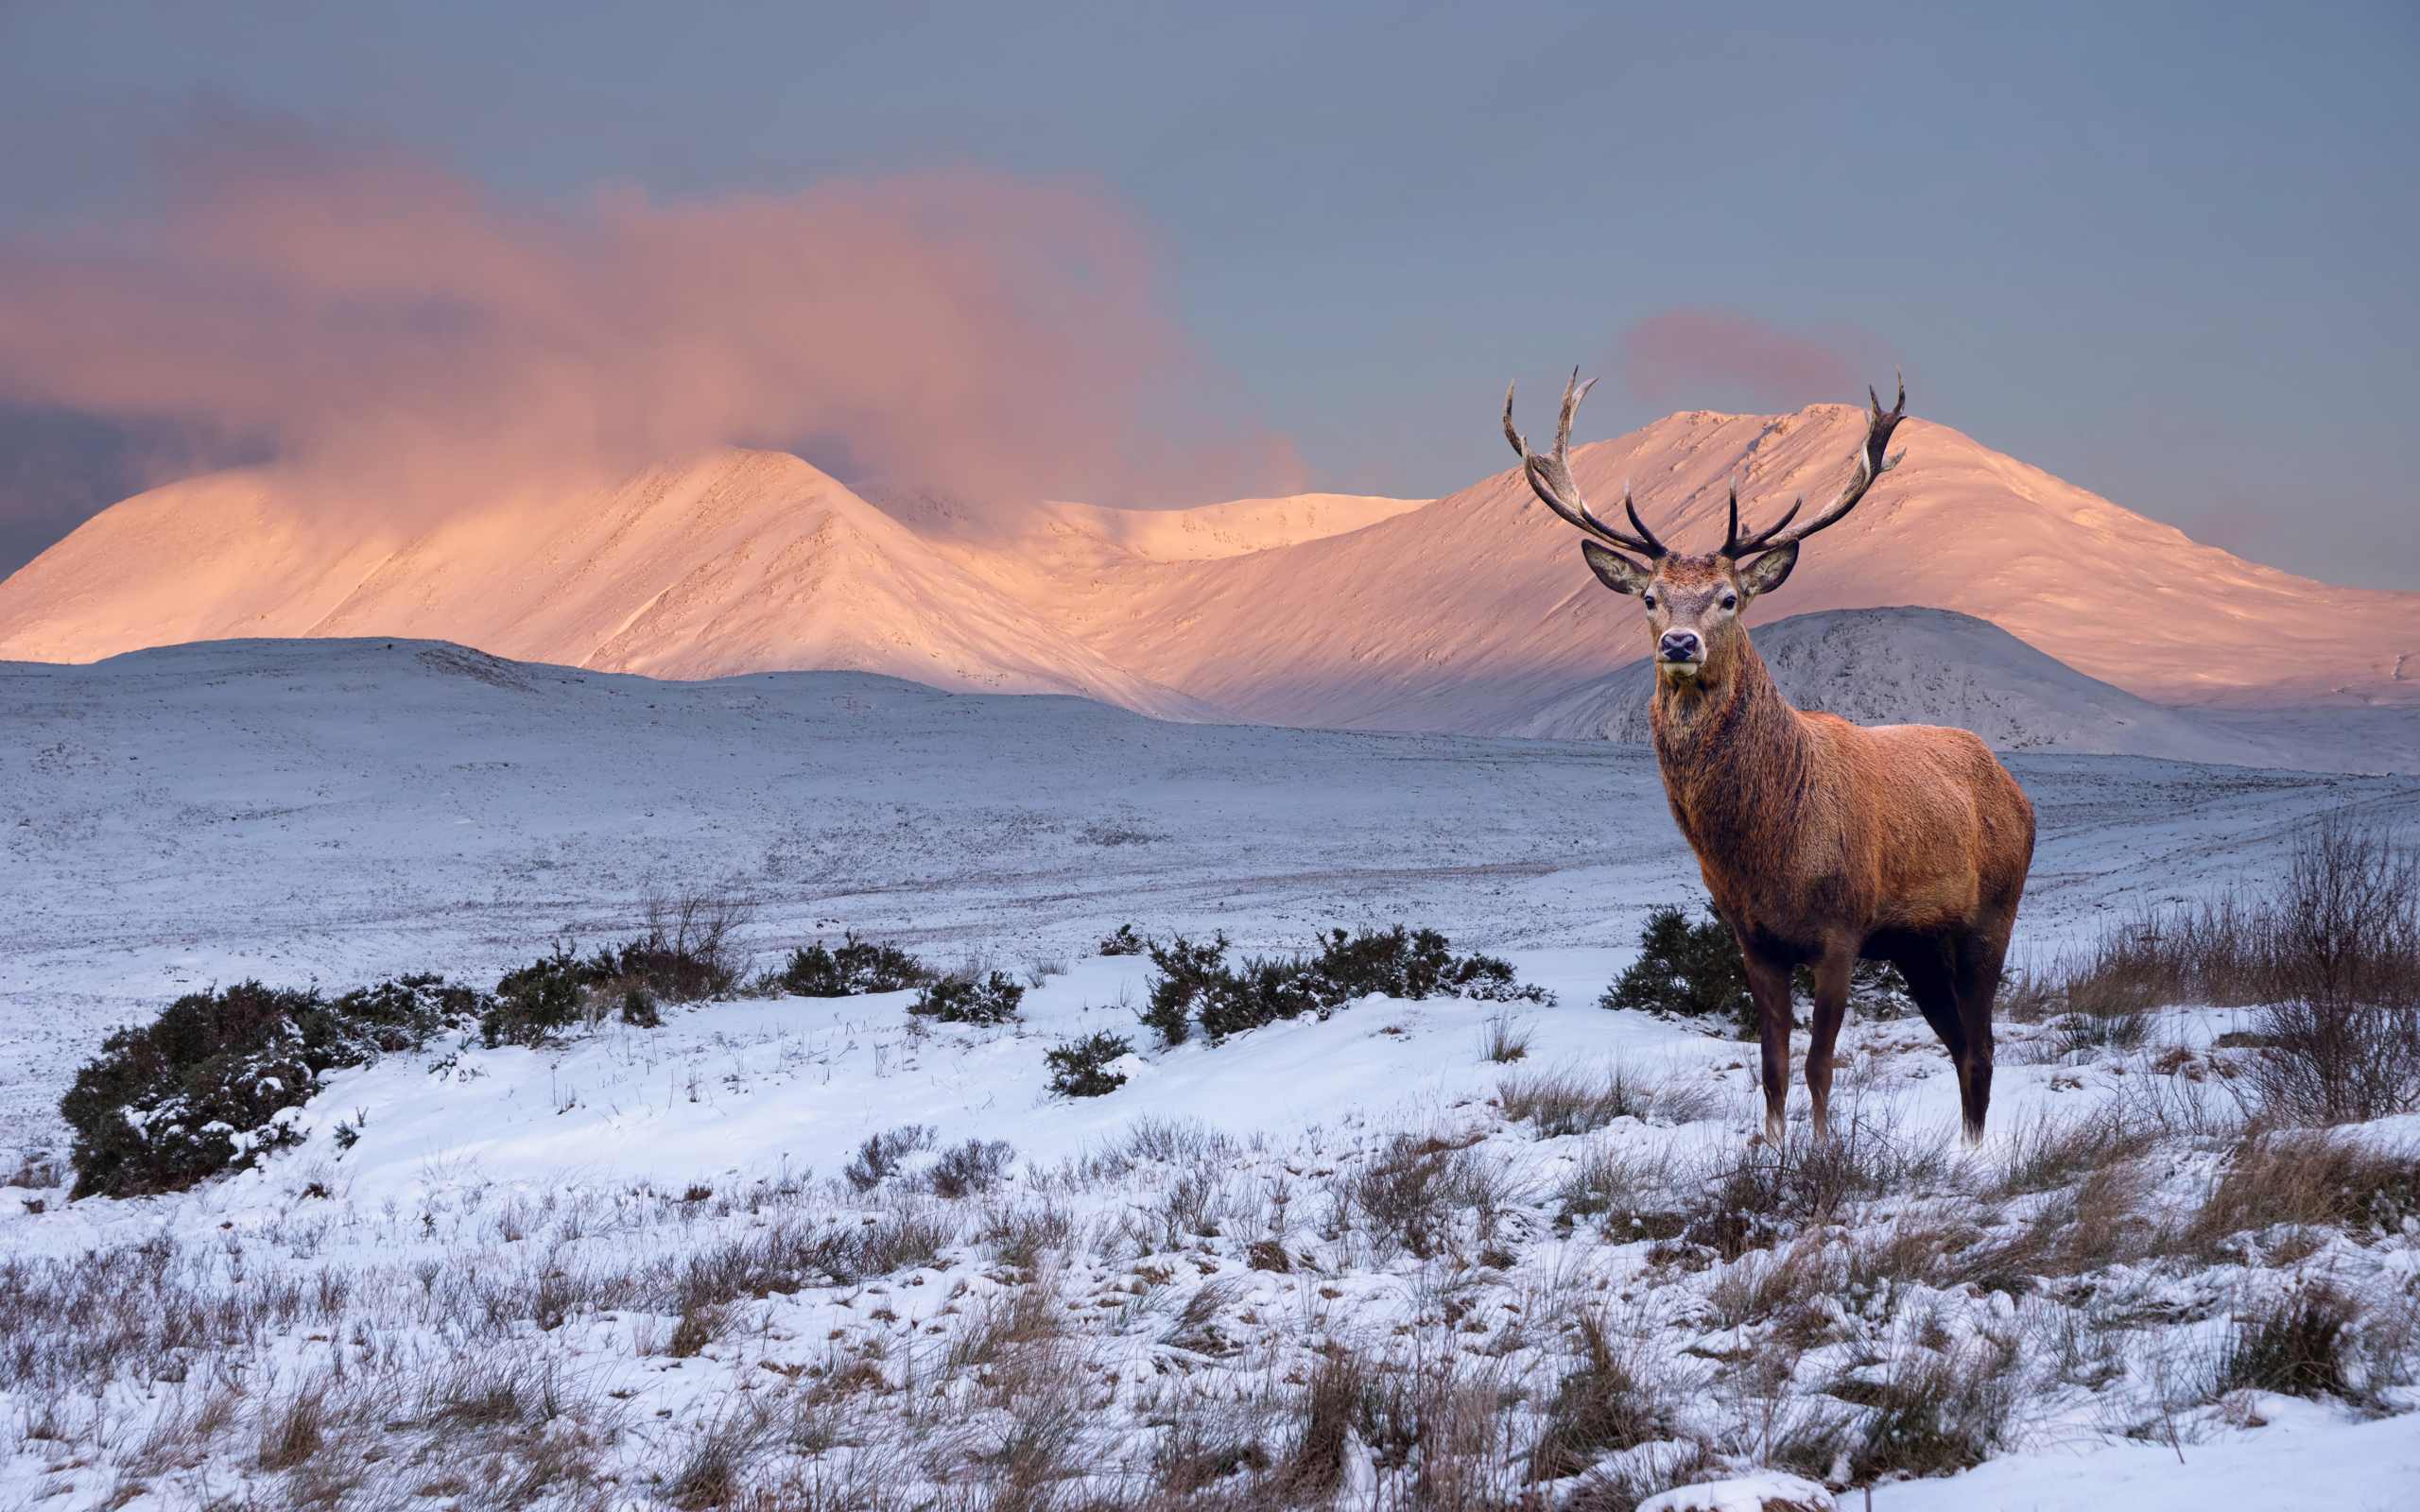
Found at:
<point>201,1089</point>
<point>879,1157</point>
<point>2340,931</point>
<point>1197,985</point>
<point>1416,964</point>
<point>1693,970</point>
<point>1687,970</point>
<point>539,1000</point>
<point>2335,1062</point>
<point>1266,989</point>
<point>1187,971</point>
<point>857,966</point>
<point>1080,1068</point>
<point>970,1169</point>
<point>639,1010</point>
<point>963,1000</point>
<point>1122,941</point>
<point>687,954</point>
<point>2296,1349</point>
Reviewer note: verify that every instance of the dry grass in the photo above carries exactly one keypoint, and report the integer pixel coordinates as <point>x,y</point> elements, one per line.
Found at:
<point>2309,1179</point>
<point>2299,1346</point>
<point>1558,1104</point>
<point>1503,1038</point>
<point>2340,931</point>
<point>1129,1329</point>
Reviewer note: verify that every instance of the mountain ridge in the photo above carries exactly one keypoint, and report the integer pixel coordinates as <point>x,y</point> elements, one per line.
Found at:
<point>1471,614</point>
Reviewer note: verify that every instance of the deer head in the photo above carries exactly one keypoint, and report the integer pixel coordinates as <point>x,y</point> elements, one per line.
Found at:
<point>1693,603</point>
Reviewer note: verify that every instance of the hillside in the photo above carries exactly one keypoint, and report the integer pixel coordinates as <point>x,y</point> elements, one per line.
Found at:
<point>1472,613</point>
<point>739,562</point>
<point>1928,666</point>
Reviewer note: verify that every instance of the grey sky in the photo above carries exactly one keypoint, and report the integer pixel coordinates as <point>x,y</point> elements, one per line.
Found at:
<point>2162,252</point>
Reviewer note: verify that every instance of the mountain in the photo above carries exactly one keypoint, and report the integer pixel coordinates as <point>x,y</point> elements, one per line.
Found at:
<point>1928,666</point>
<point>1471,614</point>
<point>740,561</point>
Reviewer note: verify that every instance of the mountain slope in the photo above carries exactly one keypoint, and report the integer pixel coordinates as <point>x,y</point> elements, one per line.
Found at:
<point>1473,614</point>
<point>738,563</point>
<point>1231,529</point>
<point>1875,666</point>
<point>1467,613</point>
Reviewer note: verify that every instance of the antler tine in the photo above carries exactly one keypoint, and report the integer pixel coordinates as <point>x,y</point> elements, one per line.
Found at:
<point>1756,540</point>
<point>1550,476</point>
<point>1874,458</point>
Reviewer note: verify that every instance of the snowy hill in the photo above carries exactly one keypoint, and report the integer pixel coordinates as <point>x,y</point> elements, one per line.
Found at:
<point>739,562</point>
<point>579,1270</point>
<point>1469,613</point>
<point>1472,613</point>
<point>1928,666</point>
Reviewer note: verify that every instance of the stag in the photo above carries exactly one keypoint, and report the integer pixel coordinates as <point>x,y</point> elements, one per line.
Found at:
<point>1822,842</point>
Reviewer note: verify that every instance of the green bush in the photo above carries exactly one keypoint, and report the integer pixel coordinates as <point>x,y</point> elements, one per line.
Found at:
<point>1080,1068</point>
<point>1187,971</point>
<point>857,966</point>
<point>1122,941</point>
<point>538,1000</point>
<point>1415,964</point>
<point>1692,970</point>
<point>1264,990</point>
<point>1197,985</point>
<point>1686,970</point>
<point>678,962</point>
<point>963,1000</point>
<point>202,1087</point>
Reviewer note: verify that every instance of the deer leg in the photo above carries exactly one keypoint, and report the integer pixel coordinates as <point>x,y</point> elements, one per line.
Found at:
<point>1831,1005</point>
<point>1769,986</point>
<point>1926,968</point>
<point>1976,983</point>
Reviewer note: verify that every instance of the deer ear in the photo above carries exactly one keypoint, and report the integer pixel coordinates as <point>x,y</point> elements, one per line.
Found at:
<point>1614,570</point>
<point>1770,571</point>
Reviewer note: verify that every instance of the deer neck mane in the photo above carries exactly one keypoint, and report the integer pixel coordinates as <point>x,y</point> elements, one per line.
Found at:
<point>1734,755</point>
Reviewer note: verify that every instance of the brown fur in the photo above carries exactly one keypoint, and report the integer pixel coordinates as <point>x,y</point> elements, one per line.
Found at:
<point>1823,841</point>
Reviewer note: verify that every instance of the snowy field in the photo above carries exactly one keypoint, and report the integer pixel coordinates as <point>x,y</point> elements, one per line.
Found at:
<point>1349,1258</point>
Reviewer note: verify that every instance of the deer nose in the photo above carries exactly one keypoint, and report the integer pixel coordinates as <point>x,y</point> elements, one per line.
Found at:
<point>1680,645</point>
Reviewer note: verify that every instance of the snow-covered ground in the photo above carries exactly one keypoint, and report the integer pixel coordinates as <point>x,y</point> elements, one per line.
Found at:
<point>630,1257</point>
<point>339,811</point>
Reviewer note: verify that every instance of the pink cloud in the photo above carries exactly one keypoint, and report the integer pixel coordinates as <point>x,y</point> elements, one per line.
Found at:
<point>370,315</point>
<point>1709,358</point>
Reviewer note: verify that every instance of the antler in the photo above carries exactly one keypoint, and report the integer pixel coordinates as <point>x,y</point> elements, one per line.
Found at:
<point>1871,462</point>
<point>1550,477</point>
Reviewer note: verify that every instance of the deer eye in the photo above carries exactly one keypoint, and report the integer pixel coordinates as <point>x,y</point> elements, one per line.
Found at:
<point>1730,601</point>
<point>1649,601</point>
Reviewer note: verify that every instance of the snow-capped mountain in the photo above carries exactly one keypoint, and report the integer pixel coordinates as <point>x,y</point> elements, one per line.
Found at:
<point>1472,613</point>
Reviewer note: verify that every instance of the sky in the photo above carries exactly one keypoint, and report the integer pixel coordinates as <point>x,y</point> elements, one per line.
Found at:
<point>1153,254</point>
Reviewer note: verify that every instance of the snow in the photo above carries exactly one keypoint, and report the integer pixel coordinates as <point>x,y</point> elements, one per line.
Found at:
<point>1471,614</point>
<point>1929,666</point>
<point>2302,1457</point>
<point>342,810</point>
<point>1782,1493</point>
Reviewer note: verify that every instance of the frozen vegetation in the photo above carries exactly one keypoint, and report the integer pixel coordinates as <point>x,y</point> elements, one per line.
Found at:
<point>1494,1246</point>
